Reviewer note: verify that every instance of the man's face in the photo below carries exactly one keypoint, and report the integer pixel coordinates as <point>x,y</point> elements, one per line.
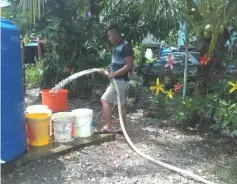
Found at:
<point>113,36</point>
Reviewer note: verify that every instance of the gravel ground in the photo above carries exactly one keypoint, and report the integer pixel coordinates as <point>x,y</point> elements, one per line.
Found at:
<point>207,155</point>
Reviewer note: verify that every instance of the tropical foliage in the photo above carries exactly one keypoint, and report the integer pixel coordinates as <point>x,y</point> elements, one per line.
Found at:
<point>76,40</point>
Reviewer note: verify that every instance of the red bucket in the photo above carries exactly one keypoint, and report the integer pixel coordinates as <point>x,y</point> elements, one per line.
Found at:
<point>56,101</point>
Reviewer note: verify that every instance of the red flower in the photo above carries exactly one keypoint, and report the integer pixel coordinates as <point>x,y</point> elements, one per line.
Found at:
<point>178,87</point>
<point>204,60</point>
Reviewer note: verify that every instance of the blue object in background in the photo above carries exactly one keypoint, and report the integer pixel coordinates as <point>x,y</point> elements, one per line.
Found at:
<point>168,50</point>
<point>232,38</point>
<point>181,34</point>
<point>13,133</point>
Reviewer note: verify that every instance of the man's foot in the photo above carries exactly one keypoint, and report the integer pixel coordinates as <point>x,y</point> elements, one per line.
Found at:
<point>104,131</point>
<point>107,129</point>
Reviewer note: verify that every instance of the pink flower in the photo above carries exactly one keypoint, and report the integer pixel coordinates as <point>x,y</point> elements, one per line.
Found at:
<point>170,62</point>
<point>178,87</point>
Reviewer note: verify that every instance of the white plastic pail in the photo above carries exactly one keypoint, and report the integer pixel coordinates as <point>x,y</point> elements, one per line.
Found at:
<point>40,109</point>
<point>63,123</point>
<point>83,123</point>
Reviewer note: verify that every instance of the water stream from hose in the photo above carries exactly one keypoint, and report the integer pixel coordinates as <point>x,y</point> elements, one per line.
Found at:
<point>73,77</point>
<point>185,173</point>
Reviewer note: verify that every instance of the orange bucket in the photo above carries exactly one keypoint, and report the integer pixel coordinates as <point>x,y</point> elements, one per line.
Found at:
<point>56,101</point>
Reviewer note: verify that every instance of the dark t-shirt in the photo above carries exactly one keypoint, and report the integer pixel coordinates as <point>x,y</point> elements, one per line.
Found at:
<point>119,53</point>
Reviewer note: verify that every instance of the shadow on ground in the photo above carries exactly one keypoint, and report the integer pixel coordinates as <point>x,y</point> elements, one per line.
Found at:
<point>46,171</point>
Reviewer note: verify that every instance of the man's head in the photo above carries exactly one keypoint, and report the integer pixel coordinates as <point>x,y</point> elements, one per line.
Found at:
<point>113,34</point>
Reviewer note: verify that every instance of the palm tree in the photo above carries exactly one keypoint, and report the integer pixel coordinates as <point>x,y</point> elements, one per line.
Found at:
<point>198,14</point>
<point>30,10</point>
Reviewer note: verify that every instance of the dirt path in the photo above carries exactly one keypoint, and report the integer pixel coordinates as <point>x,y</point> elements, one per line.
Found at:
<point>207,155</point>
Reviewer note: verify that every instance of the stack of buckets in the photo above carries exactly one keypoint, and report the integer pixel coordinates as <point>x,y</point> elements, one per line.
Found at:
<point>51,118</point>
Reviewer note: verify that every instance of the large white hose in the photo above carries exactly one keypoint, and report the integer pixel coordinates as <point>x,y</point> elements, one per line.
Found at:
<point>165,165</point>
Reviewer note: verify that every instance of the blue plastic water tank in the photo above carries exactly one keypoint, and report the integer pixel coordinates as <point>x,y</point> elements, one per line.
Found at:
<point>13,134</point>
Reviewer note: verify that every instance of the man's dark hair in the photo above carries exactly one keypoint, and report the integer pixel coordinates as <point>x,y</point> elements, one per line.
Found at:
<point>113,27</point>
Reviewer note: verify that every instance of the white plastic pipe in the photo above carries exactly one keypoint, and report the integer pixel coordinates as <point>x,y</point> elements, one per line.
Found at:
<point>162,164</point>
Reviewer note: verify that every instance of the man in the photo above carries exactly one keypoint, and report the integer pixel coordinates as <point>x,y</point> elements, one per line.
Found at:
<point>121,65</point>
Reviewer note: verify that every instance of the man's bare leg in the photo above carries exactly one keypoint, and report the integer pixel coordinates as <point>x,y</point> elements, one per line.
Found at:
<point>107,115</point>
<point>123,114</point>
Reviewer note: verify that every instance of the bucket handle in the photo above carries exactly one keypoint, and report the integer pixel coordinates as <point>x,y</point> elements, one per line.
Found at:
<point>84,124</point>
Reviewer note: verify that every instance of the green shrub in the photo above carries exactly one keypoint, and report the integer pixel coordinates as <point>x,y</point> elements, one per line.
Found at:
<point>227,115</point>
<point>160,106</point>
<point>33,74</point>
<point>133,93</point>
<point>194,112</point>
<point>138,54</point>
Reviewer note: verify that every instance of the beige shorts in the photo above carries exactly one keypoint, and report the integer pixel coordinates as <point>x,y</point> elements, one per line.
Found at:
<point>110,94</point>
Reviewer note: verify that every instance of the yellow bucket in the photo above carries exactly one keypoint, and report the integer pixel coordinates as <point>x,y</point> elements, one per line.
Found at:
<point>38,127</point>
